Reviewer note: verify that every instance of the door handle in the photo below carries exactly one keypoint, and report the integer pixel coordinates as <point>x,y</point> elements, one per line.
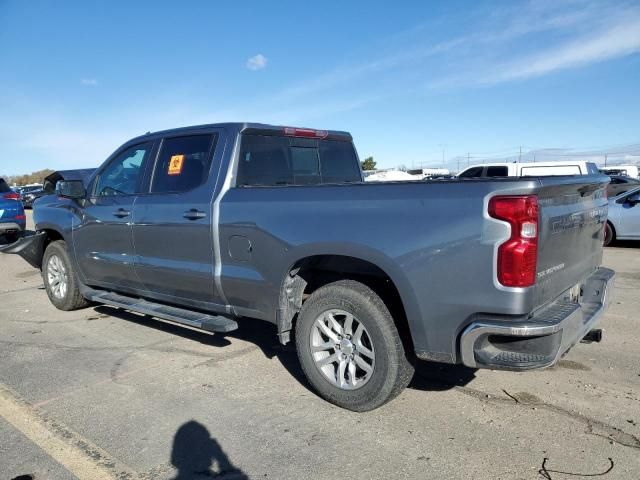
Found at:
<point>121,213</point>
<point>194,214</point>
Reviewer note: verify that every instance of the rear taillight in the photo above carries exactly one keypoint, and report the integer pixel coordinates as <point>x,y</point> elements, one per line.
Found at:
<point>517,257</point>
<point>11,196</point>
<point>305,132</point>
<point>20,217</point>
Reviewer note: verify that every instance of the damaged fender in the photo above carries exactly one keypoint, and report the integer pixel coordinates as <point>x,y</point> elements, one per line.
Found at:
<point>31,248</point>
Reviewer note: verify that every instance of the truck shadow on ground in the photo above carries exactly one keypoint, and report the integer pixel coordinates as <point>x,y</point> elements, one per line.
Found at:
<point>429,376</point>
<point>624,244</point>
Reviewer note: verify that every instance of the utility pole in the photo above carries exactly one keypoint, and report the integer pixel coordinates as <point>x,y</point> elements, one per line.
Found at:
<point>468,155</point>
<point>605,159</point>
<point>534,158</point>
<point>458,164</point>
<point>520,156</point>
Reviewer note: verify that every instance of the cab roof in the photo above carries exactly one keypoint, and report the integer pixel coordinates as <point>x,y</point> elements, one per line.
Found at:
<point>246,127</point>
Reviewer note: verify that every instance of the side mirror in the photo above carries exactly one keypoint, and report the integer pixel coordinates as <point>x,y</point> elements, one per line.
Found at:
<point>70,189</point>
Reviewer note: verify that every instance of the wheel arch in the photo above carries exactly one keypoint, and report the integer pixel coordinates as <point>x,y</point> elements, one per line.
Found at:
<point>32,247</point>
<point>52,234</point>
<point>313,269</point>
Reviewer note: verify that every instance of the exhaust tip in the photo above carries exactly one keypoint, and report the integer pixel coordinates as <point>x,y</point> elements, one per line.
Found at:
<point>594,335</point>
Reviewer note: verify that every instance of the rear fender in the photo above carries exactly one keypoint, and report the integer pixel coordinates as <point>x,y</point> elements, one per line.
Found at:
<point>30,248</point>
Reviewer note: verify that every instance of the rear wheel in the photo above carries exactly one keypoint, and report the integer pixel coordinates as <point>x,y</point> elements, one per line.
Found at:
<point>61,284</point>
<point>609,234</point>
<point>349,347</point>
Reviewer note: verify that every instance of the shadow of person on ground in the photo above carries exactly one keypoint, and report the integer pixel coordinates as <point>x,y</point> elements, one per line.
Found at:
<point>195,452</point>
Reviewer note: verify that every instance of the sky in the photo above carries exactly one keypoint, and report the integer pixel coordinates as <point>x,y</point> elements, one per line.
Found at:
<point>414,82</point>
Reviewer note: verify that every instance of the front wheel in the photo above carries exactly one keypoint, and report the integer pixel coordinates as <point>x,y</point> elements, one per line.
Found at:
<point>349,347</point>
<point>59,277</point>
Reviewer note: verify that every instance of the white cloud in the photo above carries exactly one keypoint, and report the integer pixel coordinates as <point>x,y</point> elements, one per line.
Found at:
<point>91,82</point>
<point>617,41</point>
<point>257,62</point>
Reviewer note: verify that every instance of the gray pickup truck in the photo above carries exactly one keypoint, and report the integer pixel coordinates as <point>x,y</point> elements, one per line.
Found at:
<point>206,225</point>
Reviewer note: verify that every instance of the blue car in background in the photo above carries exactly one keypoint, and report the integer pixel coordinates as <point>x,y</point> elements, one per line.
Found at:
<point>12,218</point>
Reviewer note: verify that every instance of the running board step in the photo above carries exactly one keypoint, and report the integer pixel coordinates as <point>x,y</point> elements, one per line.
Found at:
<point>203,321</point>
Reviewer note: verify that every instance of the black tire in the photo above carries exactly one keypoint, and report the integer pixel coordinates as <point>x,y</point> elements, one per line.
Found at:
<point>392,371</point>
<point>609,234</point>
<point>72,299</point>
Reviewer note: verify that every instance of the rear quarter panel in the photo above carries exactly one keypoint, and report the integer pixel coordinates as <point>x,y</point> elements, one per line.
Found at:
<point>431,239</point>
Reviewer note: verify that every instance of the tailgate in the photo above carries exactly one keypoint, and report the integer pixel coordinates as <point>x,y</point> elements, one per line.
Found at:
<point>573,211</point>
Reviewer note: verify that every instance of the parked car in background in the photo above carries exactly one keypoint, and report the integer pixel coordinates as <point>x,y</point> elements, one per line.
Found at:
<point>620,184</point>
<point>29,188</point>
<point>206,225</point>
<point>623,222</point>
<point>391,176</point>
<point>529,169</point>
<point>30,197</point>
<point>626,170</point>
<point>12,217</point>
<point>423,173</point>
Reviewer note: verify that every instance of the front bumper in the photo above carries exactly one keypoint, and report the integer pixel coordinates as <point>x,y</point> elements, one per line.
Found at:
<point>29,248</point>
<point>541,340</point>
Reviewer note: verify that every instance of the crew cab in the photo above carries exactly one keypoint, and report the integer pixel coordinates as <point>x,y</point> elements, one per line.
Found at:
<point>207,225</point>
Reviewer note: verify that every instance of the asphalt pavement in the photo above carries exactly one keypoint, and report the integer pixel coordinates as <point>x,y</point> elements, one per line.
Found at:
<point>103,393</point>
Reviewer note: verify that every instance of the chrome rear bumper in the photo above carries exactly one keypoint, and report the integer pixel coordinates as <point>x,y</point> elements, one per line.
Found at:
<point>541,340</point>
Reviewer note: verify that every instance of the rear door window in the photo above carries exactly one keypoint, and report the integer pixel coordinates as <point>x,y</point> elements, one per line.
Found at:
<point>183,163</point>
<point>267,160</point>
<point>497,171</point>
<point>472,172</point>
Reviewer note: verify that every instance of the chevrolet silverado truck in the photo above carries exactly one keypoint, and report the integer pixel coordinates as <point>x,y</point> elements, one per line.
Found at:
<point>207,225</point>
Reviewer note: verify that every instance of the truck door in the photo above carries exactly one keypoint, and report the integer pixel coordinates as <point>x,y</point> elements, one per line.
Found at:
<point>102,238</point>
<point>173,222</point>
